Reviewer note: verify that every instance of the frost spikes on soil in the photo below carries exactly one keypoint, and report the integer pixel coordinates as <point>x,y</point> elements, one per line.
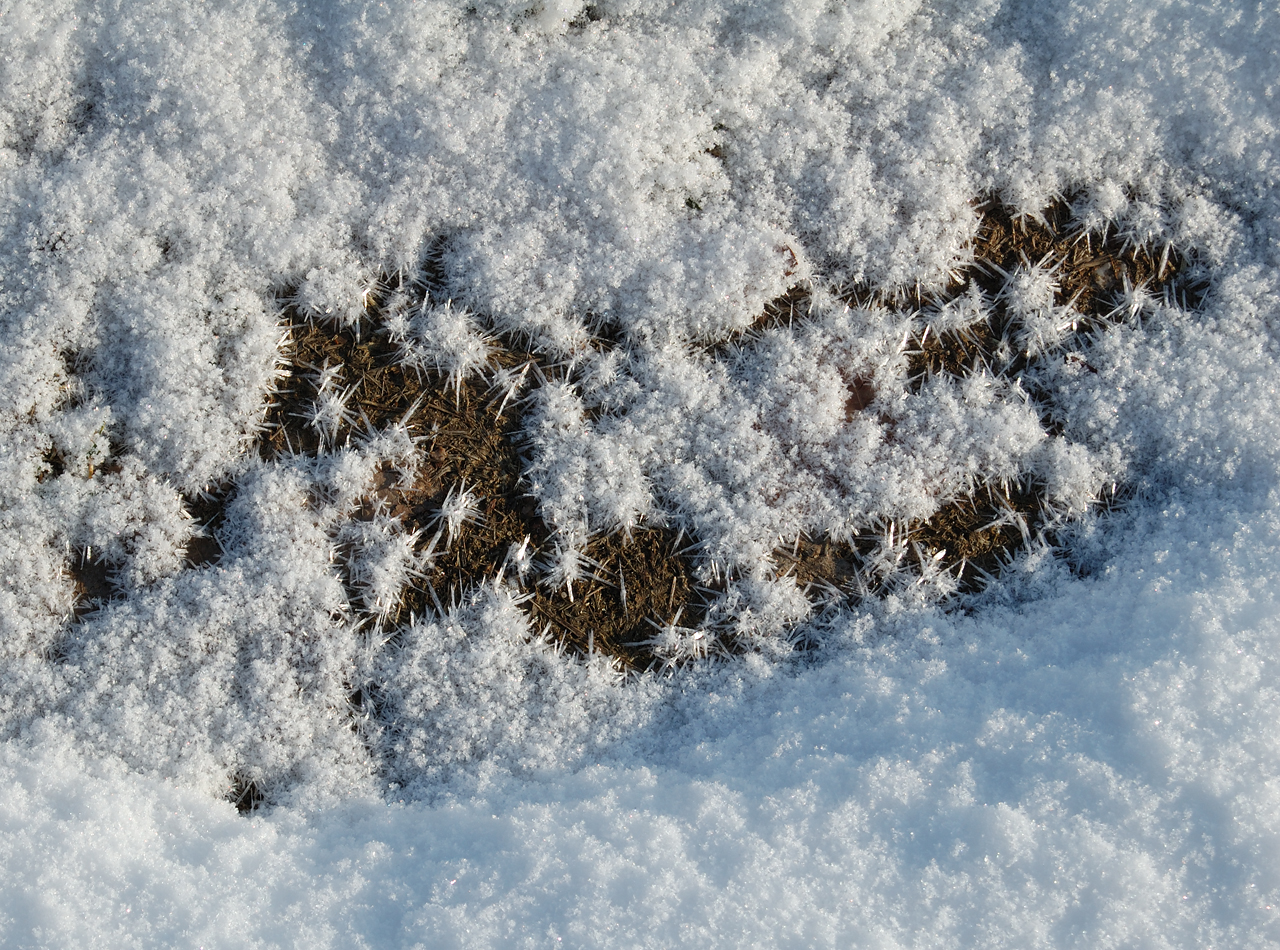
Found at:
<point>455,513</point>
<point>1093,279</point>
<point>468,432</point>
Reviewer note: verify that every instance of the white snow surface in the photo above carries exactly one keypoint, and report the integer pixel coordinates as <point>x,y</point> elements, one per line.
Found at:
<point>1083,755</point>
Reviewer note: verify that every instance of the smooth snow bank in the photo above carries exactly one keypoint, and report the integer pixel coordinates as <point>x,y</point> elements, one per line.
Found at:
<point>1093,769</point>
<point>1081,760</point>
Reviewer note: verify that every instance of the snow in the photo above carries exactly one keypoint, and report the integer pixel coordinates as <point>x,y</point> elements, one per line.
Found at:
<point>1088,770</point>
<point>1082,755</point>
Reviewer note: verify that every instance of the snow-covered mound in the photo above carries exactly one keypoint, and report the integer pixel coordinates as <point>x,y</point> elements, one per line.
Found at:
<point>1082,755</point>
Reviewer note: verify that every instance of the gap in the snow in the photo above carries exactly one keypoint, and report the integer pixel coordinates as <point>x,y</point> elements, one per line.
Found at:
<point>1096,279</point>
<point>464,502</point>
<point>465,506</point>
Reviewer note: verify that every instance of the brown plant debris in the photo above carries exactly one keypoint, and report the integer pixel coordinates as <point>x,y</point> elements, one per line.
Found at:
<point>1091,271</point>
<point>246,794</point>
<point>470,460</point>
<point>92,580</point>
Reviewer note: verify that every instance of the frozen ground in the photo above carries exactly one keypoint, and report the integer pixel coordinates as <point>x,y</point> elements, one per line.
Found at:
<point>1082,758</point>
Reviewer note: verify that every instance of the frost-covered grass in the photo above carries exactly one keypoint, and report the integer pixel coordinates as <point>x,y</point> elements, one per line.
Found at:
<point>1082,754</point>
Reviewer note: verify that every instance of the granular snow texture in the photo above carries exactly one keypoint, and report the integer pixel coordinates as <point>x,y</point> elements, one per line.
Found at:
<point>1081,754</point>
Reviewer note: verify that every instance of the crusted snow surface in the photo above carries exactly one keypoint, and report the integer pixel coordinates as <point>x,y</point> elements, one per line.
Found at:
<point>1083,755</point>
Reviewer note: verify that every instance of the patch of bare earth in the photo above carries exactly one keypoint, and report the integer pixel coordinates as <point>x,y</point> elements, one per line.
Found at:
<point>974,536</point>
<point>470,439</point>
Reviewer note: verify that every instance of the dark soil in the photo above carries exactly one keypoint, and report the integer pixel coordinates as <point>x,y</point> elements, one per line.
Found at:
<point>92,580</point>
<point>1091,271</point>
<point>207,511</point>
<point>973,537</point>
<point>640,583</point>
<point>470,437</point>
<point>978,534</point>
<point>636,581</point>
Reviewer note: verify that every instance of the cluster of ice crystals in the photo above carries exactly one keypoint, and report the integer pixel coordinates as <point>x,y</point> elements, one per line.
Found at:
<point>136,524</point>
<point>655,174</point>
<point>566,563</point>
<point>461,506</point>
<point>587,481</point>
<point>381,561</point>
<point>329,413</point>
<point>675,645</point>
<point>181,673</point>
<point>396,446</point>
<point>339,296</point>
<point>1029,294</point>
<point>809,430</point>
<point>80,437</point>
<point>476,686</point>
<point>755,611</point>
<point>958,313</point>
<point>444,339</point>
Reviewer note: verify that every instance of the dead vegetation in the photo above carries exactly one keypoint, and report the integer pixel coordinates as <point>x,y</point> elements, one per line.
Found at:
<point>465,504</point>
<point>1097,277</point>
<point>246,794</point>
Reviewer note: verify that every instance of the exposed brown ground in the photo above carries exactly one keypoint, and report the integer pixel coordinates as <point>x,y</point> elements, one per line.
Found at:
<point>1090,270</point>
<point>978,533</point>
<point>635,582</point>
<point>470,438</point>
